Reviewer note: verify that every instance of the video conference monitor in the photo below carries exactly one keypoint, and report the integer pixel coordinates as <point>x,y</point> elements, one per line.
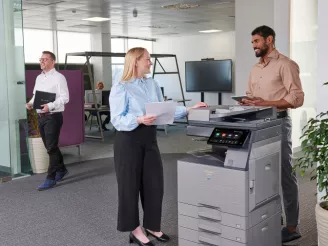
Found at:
<point>209,76</point>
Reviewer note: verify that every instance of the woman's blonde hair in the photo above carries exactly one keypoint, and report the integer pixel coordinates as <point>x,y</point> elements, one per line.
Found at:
<point>131,58</point>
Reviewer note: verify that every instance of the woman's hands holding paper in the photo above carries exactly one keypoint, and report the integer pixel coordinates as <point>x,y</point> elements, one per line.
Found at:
<point>146,119</point>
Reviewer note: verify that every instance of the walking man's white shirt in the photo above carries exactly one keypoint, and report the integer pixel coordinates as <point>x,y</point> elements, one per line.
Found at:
<point>53,82</point>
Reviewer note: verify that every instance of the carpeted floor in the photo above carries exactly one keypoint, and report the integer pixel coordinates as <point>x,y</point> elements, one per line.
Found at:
<point>81,211</point>
<point>176,141</point>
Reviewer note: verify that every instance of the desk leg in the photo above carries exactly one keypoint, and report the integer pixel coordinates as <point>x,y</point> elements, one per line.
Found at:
<point>90,120</point>
<point>100,126</point>
<point>79,149</point>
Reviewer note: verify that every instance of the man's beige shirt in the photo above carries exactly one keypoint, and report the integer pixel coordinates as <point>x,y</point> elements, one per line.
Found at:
<point>275,80</point>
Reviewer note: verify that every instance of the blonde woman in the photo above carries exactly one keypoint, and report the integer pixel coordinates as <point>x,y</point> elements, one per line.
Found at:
<point>138,163</point>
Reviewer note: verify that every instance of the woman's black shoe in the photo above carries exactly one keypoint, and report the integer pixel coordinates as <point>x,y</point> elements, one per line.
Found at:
<point>133,239</point>
<point>164,238</point>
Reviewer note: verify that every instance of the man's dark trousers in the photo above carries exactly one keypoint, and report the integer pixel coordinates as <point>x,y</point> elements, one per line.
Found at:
<point>49,126</point>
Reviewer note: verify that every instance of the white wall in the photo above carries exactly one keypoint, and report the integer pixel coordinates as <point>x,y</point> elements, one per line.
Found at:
<point>193,48</point>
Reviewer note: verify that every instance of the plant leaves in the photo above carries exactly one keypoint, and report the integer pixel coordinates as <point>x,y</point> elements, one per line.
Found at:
<point>314,145</point>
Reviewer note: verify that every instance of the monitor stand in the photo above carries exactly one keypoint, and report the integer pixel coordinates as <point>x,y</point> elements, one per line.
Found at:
<point>202,97</point>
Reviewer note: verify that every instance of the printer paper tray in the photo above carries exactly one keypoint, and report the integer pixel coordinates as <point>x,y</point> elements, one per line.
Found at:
<point>267,231</point>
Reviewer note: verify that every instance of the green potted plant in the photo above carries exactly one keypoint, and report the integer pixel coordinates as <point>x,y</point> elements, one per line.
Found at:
<point>314,145</point>
<point>37,152</point>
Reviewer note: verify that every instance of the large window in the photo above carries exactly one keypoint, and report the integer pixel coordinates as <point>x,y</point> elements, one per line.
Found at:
<point>69,42</point>
<point>118,46</point>
<point>36,41</point>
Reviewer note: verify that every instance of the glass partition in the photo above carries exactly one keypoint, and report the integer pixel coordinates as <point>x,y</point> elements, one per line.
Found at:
<point>13,125</point>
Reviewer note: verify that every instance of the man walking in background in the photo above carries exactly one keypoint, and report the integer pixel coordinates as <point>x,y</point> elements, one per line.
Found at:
<point>50,117</point>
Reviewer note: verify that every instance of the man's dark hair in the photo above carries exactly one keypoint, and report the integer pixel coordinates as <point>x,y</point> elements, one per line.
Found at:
<point>265,31</point>
<point>52,55</point>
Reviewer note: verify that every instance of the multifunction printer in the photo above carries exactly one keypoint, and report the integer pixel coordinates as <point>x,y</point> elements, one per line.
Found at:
<point>228,193</point>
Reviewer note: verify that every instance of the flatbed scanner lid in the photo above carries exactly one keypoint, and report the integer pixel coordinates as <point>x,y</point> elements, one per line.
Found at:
<point>226,111</point>
<point>246,117</point>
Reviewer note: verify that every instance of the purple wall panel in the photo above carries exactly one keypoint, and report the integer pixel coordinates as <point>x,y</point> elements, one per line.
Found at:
<point>73,131</point>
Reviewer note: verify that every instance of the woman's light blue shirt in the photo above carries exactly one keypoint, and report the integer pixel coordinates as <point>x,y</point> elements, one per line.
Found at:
<point>127,102</point>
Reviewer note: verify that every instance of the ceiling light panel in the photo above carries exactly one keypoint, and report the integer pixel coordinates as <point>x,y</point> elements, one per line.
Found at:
<point>70,5</point>
<point>97,19</point>
<point>210,31</point>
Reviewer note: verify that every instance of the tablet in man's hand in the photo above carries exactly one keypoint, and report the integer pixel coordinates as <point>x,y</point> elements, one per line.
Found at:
<point>239,98</point>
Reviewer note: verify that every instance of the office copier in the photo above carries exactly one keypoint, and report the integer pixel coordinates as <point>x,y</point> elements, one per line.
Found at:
<point>228,193</point>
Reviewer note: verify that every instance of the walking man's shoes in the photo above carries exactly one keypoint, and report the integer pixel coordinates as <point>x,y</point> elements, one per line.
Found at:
<point>48,184</point>
<point>60,175</point>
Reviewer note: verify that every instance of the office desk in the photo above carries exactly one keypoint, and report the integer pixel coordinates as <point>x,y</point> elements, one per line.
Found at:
<point>99,110</point>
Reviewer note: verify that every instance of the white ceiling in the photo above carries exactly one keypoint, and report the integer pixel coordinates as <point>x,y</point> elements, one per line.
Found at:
<point>152,21</point>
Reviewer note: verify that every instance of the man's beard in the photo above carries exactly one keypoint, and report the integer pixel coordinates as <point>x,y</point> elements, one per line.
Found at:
<point>263,51</point>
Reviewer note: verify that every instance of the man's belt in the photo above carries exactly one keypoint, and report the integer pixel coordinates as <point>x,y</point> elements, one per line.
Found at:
<point>282,114</point>
<point>47,114</point>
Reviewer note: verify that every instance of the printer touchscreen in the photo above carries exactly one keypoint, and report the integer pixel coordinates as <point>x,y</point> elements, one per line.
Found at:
<point>228,137</point>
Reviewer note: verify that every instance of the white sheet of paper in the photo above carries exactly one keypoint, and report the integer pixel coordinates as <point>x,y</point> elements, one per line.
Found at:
<point>164,111</point>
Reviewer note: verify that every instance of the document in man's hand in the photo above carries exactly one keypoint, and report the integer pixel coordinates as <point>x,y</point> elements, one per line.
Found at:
<point>42,97</point>
<point>164,112</point>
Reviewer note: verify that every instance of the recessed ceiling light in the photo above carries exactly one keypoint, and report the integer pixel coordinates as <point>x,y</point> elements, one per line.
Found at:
<point>97,19</point>
<point>210,31</point>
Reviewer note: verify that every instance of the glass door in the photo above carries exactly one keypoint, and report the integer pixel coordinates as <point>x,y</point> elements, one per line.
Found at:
<point>13,124</point>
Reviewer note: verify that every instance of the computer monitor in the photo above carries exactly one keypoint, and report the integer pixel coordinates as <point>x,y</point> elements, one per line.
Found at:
<point>89,97</point>
<point>105,97</point>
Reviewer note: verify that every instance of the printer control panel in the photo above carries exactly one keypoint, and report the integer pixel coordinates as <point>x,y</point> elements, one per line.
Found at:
<point>228,137</point>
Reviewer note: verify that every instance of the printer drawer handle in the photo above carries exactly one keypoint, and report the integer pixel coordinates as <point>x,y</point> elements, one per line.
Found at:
<point>264,216</point>
<point>268,167</point>
<point>209,228</point>
<point>209,212</point>
<point>264,228</point>
<point>209,216</point>
<point>208,241</point>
